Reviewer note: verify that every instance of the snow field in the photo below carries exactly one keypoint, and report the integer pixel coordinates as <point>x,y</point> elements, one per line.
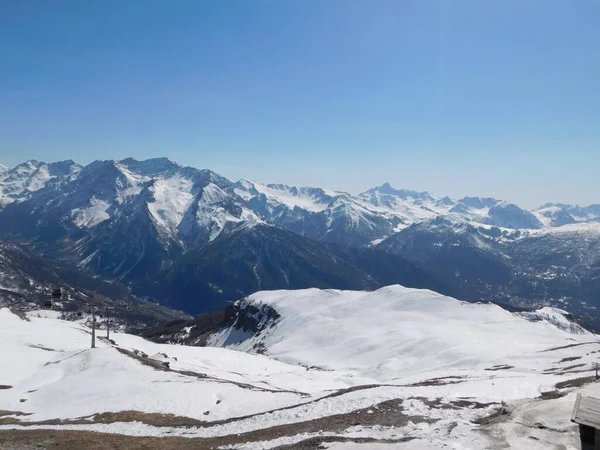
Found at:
<point>424,352</point>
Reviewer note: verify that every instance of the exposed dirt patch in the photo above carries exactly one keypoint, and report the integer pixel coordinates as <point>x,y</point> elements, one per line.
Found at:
<point>440,381</point>
<point>389,413</point>
<point>78,440</point>
<point>4,420</point>
<point>316,443</point>
<point>568,346</point>
<point>571,372</point>
<point>576,382</point>
<point>551,395</point>
<point>167,420</point>
<point>566,370</point>
<point>575,366</point>
<point>153,419</point>
<point>20,314</point>
<point>4,387</point>
<point>570,358</point>
<point>156,365</point>
<point>354,389</point>
<point>497,416</point>
<point>454,404</point>
<point>41,347</point>
<point>500,367</point>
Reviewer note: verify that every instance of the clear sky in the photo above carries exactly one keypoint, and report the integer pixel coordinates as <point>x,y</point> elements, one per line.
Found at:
<point>458,97</point>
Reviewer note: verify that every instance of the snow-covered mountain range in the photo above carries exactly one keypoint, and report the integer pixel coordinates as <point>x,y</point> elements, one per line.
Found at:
<point>145,222</point>
<point>191,206</point>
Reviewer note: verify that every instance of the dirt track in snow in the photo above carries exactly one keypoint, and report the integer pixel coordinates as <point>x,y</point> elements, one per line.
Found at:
<point>78,440</point>
<point>388,413</point>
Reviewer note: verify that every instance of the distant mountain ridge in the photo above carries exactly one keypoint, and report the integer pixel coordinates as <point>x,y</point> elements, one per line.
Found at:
<point>148,222</point>
<point>174,194</point>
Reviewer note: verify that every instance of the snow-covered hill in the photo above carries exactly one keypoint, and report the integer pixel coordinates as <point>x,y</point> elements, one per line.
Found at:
<point>392,333</point>
<point>396,366</point>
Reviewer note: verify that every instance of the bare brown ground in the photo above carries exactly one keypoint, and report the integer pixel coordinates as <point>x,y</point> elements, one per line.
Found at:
<point>4,420</point>
<point>87,440</point>
<point>576,382</point>
<point>568,346</point>
<point>500,367</point>
<point>572,358</point>
<point>389,413</point>
<point>438,381</point>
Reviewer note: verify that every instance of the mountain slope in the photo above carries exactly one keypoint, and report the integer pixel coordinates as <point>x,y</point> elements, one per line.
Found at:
<point>455,250</point>
<point>26,281</point>
<point>391,333</point>
<point>17,183</point>
<point>126,219</point>
<point>319,214</point>
<point>558,267</point>
<point>267,257</point>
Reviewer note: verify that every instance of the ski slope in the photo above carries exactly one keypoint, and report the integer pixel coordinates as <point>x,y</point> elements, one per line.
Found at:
<point>409,367</point>
<point>400,333</point>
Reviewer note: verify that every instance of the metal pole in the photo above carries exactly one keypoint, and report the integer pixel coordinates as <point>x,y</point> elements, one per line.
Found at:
<point>93,329</point>
<point>107,326</point>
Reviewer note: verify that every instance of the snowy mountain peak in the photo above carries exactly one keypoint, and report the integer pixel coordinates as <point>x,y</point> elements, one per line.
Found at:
<point>61,168</point>
<point>245,183</point>
<point>281,187</point>
<point>387,189</point>
<point>559,214</point>
<point>22,180</point>
<point>509,215</point>
<point>555,216</point>
<point>445,201</point>
<point>149,167</point>
<point>478,202</point>
<point>25,169</point>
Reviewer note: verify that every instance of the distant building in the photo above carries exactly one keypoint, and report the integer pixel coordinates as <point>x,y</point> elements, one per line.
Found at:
<point>586,413</point>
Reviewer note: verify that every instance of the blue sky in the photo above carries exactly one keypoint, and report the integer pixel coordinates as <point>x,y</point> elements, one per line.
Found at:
<point>461,97</point>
